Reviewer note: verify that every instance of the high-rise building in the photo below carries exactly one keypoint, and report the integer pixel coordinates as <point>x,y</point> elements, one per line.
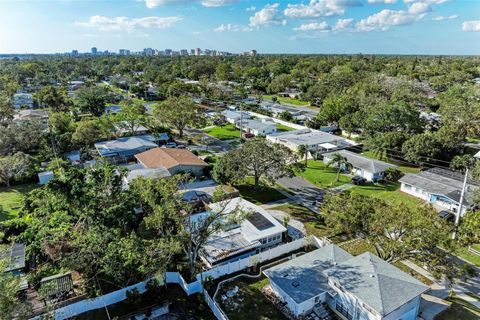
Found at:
<point>74,53</point>
<point>94,51</point>
<point>168,52</point>
<point>253,52</point>
<point>198,51</point>
<point>184,52</point>
<point>148,51</point>
<point>192,52</point>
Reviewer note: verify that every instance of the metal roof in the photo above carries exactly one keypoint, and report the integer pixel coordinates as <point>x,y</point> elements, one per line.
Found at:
<point>16,257</point>
<point>362,162</point>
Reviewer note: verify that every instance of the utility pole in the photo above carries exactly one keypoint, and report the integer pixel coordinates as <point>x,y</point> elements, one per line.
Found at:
<point>460,207</point>
<point>241,123</point>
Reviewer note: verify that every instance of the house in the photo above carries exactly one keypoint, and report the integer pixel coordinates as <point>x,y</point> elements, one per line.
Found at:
<point>22,100</point>
<point>30,115</point>
<point>173,160</point>
<point>234,116</point>
<point>126,147</point>
<point>258,127</point>
<point>364,287</point>
<point>258,231</point>
<point>370,169</point>
<point>317,141</point>
<point>440,187</point>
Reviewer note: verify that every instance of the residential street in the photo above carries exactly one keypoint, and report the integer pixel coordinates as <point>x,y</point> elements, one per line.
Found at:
<point>303,189</point>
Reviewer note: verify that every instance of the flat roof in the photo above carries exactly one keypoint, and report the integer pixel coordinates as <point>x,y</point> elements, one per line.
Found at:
<point>306,136</point>
<point>362,162</point>
<point>125,144</point>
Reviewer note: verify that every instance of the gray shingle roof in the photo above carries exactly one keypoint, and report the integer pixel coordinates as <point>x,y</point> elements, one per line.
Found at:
<point>302,278</point>
<point>376,283</point>
<point>362,162</point>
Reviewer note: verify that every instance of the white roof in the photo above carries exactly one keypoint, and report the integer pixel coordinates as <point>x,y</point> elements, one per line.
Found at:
<point>477,155</point>
<point>328,146</point>
<point>306,136</point>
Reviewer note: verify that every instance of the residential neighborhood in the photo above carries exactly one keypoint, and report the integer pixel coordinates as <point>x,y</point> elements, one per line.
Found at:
<point>259,182</point>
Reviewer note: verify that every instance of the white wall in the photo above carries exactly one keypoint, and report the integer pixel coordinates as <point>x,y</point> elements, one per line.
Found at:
<point>415,192</point>
<point>407,312</point>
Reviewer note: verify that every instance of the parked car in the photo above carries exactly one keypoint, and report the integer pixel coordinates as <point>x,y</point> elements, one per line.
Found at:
<point>447,215</point>
<point>180,146</point>
<point>170,145</point>
<point>358,180</point>
<point>248,135</point>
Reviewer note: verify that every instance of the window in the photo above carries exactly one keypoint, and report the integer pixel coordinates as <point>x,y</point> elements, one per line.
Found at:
<point>343,310</point>
<point>317,299</point>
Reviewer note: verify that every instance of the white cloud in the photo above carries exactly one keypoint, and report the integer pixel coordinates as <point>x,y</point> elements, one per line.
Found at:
<point>319,26</point>
<point>252,8</point>
<point>267,16</point>
<point>473,25</point>
<point>232,28</point>
<point>128,24</point>
<point>343,24</point>
<point>441,18</point>
<point>320,8</point>
<point>418,8</point>
<point>430,2</point>
<point>383,20</point>
<point>382,1</point>
<point>206,3</point>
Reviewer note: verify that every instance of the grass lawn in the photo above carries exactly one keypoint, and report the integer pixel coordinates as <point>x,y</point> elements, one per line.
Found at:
<point>460,310</point>
<point>313,225</point>
<point>264,194</point>
<point>11,200</point>
<point>283,128</point>
<point>388,192</point>
<point>226,132</point>
<point>322,176</point>
<point>288,100</point>
<point>473,258</point>
<point>249,302</point>
<point>402,166</point>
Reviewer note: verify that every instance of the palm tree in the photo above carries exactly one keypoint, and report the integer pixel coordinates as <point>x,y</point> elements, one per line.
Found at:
<point>302,152</point>
<point>340,162</point>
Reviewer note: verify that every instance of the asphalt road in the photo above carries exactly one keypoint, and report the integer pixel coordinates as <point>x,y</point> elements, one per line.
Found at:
<point>302,188</point>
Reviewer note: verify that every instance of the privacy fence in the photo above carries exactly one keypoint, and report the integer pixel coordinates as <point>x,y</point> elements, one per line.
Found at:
<point>193,287</point>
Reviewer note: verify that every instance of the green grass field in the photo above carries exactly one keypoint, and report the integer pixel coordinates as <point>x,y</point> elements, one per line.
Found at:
<point>321,175</point>
<point>11,200</point>
<point>469,256</point>
<point>388,192</point>
<point>460,310</point>
<point>295,102</point>
<point>226,132</point>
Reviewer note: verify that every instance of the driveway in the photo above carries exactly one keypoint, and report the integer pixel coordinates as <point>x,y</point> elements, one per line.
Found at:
<point>303,189</point>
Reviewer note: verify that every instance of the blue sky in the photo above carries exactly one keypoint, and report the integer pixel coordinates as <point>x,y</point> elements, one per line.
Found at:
<point>290,26</point>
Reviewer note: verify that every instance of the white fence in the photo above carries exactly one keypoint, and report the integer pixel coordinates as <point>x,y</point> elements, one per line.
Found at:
<point>97,303</point>
<point>194,287</point>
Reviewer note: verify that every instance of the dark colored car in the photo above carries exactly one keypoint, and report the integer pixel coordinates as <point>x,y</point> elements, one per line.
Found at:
<point>358,180</point>
<point>447,215</point>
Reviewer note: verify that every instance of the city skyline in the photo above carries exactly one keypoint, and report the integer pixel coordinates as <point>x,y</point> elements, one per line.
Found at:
<point>294,26</point>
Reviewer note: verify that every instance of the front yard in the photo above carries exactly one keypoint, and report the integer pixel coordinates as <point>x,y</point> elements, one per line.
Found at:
<point>225,132</point>
<point>470,256</point>
<point>264,194</point>
<point>387,191</point>
<point>242,299</point>
<point>460,310</point>
<point>322,176</point>
<point>11,200</point>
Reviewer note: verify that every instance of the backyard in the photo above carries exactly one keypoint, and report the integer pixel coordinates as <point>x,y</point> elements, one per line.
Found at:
<point>225,132</point>
<point>283,128</point>
<point>263,194</point>
<point>11,200</point>
<point>242,299</point>
<point>387,191</point>
<point>402,166</point>
<point>287,100</point>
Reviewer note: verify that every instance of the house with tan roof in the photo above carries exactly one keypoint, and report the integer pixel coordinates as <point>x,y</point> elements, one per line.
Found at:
<point>174,160</point>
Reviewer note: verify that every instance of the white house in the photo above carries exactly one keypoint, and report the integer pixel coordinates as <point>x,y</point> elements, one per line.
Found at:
<point>316,141</point>
<point>258,127</point>
<point>440,187</point>
<point>364,287</point>
<point>259,230</point>
<point>370,169</point>
<point>233,116</point>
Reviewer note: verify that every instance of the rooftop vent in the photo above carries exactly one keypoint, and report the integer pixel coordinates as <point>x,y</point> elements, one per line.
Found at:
<point>295,284</point>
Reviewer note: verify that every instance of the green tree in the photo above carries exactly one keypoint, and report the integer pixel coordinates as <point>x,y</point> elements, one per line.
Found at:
<point>92,99</point>
<point>462,162</point>
<point>132,116</point>
<point>469,228</point>
<point>302,152</point>
<point>86,133</point>
<point>179,113</point>
<point>255,158</point>
<point>53,98</point>
<point>6,110</point>
<point>340,162</point>
<point>15,167</point>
